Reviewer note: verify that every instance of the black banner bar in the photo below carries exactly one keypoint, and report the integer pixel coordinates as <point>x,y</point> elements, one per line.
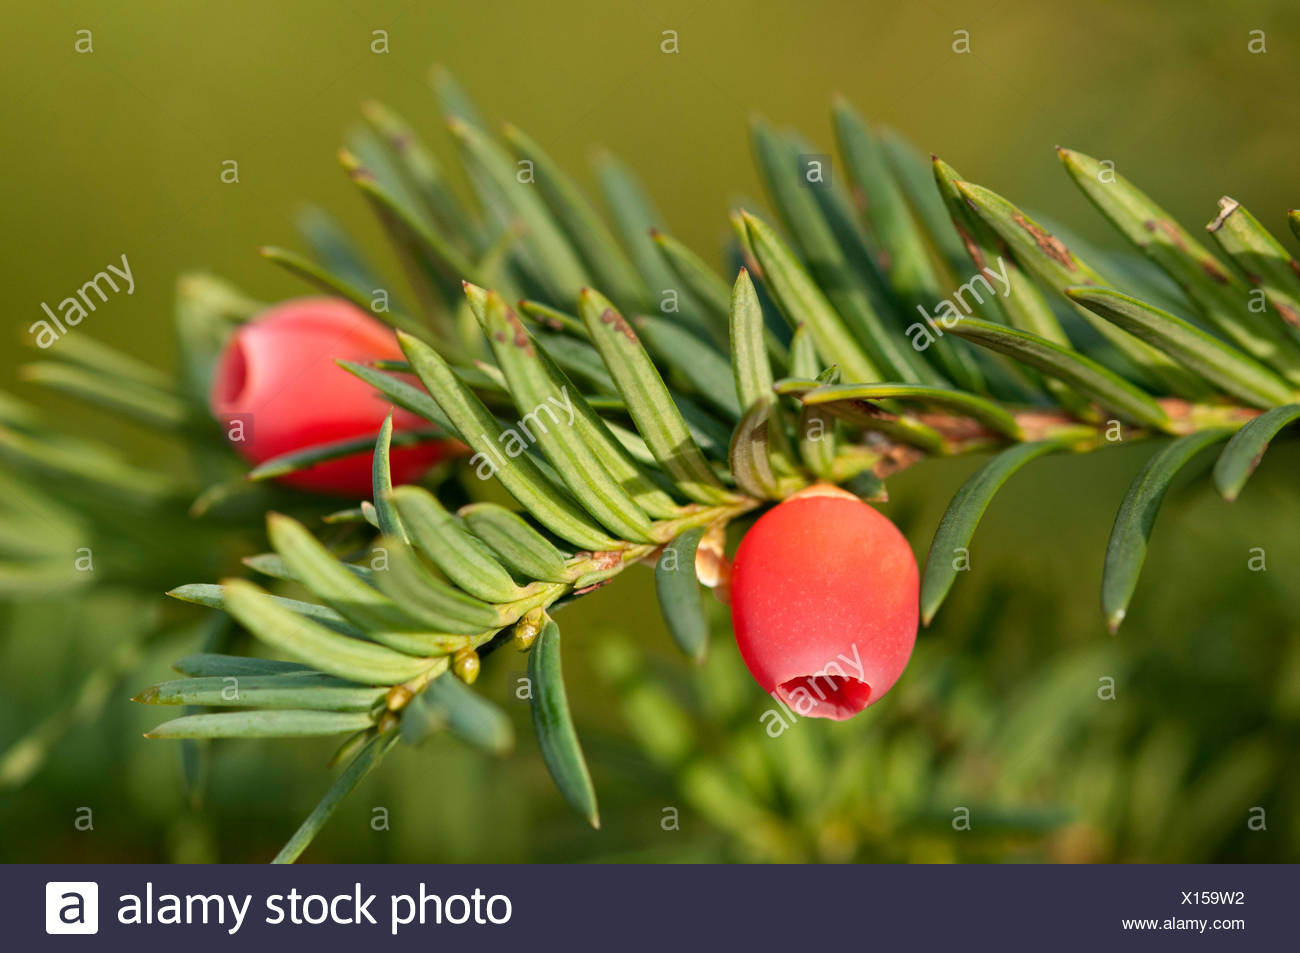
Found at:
<point>628,908</point>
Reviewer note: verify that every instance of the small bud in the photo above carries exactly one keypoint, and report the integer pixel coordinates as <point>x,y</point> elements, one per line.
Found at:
<point>397,698</point>
<point>526,629</point>
<point>712,567</point>
<point>466,664</point>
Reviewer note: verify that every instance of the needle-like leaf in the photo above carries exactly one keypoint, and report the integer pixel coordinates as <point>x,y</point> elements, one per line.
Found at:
<point>649,401</point>
<point>519,546</point>
<point>678,590</point>
<point>331,245</point>
<point>211,664</point>
<point>357,769</point>
<point>325,650</point>
<point>792,194</point>
<point>423,172</point>
<point>1246,449</point>
<point>915,174</point>
<point>297,460</point>
<point>911,270</point>
<point>544,314</point>
<point>519,474</point>
<point>591,430</point>
<point>151,405</point>
<point>336,284</point>
<point>214,597</point>
<point>409,582</point>
<point>448,703</point>
<point>285,723</point>
<point>458,553</point>
<point>270,564</point>
<point>301,690</point>
<point>698,361</point>
<point>1237,374</point>
<point>963,515</point>
<point>1127,548</point>
<point>1220,296</point>
<point>612,269</point>
<point>367,607</point>
<point>546,407</point>
<point>1048,258</point>
<point>989,413</point>
<point>803,302</point>
<point>554,725</point>
<point>381,480</point>
<point>1021,302</point>
<point>749,361</point>
<point>403,394</point>
<point>551,261</point>
<point>1083,374</point>
<point>1262,258</point>
<point>817,432</point>
<point>634,217</point>
<point>433,265</point>
<point>701,280</point>
<point>750,454</point>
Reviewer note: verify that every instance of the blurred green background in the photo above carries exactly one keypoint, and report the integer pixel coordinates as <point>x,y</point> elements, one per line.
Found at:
<point>121,150</point>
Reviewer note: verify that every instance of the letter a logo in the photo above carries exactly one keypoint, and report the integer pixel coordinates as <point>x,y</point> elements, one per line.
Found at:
<point>72,907</point>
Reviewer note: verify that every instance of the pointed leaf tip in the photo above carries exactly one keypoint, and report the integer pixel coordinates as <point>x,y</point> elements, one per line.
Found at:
<point>968,505</point>
<point>1127,548</point>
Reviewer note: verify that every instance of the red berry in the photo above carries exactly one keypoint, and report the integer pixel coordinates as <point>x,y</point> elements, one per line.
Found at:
<point>278,389</point>
<point>824,594</point>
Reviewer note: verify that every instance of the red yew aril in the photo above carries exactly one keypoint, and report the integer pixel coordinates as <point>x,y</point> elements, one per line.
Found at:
<point>277,389</point>
<point>824,602</point>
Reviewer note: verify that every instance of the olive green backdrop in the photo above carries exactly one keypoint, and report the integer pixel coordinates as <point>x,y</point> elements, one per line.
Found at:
<point>121,150</point>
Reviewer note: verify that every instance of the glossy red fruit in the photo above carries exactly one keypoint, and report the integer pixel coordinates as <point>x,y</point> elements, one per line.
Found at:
<point>824,601</point>
<point>278,389</point>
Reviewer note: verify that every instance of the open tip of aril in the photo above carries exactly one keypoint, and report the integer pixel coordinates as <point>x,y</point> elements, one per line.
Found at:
<point>824,696</point>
